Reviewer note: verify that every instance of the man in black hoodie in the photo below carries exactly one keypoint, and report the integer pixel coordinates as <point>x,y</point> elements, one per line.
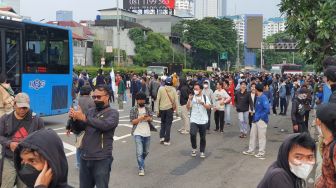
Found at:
<point>296,159</point>
<point>40,160</point>
<point>184,96</point>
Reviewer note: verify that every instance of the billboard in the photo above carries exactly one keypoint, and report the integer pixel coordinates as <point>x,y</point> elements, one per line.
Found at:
<point>254,30</point>
<point>148,4</point>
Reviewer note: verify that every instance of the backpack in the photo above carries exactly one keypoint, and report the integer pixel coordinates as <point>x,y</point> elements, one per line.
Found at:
<point>331,155</point>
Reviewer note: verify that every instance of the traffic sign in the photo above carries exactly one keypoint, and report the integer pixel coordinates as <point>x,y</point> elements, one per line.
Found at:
<point>224,56</point>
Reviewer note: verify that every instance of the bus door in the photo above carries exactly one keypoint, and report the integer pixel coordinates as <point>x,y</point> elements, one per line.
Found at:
<point>11,56</point>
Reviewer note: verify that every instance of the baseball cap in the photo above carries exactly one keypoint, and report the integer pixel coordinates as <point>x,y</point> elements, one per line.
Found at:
<point>168,80</point>
<point>22,100</point>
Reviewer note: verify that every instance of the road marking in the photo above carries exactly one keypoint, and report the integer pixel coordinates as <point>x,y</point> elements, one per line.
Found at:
<point>126,125</point>
<point>69,147</point>
<point>121,137</point>
<point>59,128</point>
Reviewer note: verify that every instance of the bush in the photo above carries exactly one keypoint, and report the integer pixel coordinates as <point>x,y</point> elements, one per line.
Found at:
<point>92,71</point>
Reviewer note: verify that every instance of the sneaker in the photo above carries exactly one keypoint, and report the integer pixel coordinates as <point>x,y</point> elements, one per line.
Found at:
<point>216,130</point>
<point>194,153</point>
<point>166,143</point>
<point>141,172</point>
<point>228,124</point>
<point>124,102</point>
<point>202,155</point>
<point>259,155</point>
<point>161,140</point>
<point>184,132</point>
<point>248,153</point>
<point>222,131</point>
<point>180,130</point>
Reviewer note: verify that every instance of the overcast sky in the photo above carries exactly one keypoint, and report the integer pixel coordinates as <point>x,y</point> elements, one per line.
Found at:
<point>87,9</point>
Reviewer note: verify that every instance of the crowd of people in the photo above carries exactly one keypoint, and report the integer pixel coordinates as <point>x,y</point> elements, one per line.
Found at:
<point>28,160</point>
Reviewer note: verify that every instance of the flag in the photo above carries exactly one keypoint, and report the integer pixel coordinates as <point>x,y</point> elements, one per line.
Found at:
<point>169,3</point>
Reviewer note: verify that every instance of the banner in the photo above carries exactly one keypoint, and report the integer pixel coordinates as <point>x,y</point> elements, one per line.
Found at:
<point>148,4</point>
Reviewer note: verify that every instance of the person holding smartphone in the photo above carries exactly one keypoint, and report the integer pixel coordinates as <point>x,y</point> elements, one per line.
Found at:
<point>141,118</point>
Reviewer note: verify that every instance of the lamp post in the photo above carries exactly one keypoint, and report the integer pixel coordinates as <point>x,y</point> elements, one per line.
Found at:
<point>118,32</point>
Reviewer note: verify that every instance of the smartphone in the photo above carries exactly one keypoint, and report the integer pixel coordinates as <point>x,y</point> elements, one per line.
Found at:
<point>75,105</point>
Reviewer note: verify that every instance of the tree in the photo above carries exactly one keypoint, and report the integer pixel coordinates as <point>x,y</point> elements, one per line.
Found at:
<point>151,47</point>
<point>208,37</point>
<point>312,23</point>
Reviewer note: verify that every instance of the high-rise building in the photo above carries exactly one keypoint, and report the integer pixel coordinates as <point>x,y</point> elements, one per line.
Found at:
<point>239,24</point>
<point>15,4</point>
<point>273,26</point>
<point>183,8</point>
<point>64,15</point>
<point>209,8</point>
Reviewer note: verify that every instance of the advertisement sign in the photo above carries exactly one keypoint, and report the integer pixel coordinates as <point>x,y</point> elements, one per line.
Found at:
<point>148,4</point>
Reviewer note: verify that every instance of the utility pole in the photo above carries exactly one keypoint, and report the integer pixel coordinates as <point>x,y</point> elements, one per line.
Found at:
<point>293,58</point>
<point>118,31</point>
<point>261,56</point>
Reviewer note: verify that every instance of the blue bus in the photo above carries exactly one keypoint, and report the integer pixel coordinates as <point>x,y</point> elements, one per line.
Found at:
<point>37,59</point>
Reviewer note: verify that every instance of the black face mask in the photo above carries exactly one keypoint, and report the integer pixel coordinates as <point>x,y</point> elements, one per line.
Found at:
<point>28,174</point>
<point>99,105</point>
<point>141,105</point>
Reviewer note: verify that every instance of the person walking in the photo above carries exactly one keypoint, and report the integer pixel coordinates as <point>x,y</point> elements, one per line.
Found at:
<point>242,107</point>
<point>184,96</point>
<point>154,86</point>
<point>209,93</point>
<point>135,88</point>
<point>167,101</point>
<point>229,88</point>
<point>6,96</point>
<point>121,91</point>
<point>259,124</point>
<point>198,104</point>
<point>221,99</point>
<point>282,95</point>
<point>140,117</point>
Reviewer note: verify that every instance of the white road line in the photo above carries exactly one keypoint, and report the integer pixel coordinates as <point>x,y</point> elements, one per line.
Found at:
<point>126,125</point>
<point>123,117</point>
<point>69,147</point>
<point>124,120</point>
<point>59,128</point>
<point>121,137</point>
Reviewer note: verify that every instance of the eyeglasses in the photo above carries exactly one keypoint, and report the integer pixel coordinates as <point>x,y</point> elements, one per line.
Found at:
<point>98,97</point>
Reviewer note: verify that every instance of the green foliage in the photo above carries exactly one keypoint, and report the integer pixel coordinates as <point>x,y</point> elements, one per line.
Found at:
<point>208,37</point>
<point>92,70</point>
<point>151,47</point>
<point>313,25</point>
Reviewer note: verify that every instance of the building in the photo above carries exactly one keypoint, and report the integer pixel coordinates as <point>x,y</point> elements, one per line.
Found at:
<point>15,4</point>
<point>273,26</point>
<point>64,15</point>
<point>210,8</point>
<point>239,24</point>
<point>183,8</point>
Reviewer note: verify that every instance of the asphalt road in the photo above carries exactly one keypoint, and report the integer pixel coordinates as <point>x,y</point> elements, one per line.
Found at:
<point>172,166</point>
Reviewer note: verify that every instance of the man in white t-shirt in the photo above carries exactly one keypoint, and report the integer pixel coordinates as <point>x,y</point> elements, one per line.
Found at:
<point>198,103</point>
<point>140,116</point>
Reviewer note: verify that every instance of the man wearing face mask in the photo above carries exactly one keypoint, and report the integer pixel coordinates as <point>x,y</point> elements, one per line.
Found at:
<point>210,94</point>
<point>296,159</point>
<point>299,111</point>
<point>141,118</point>
<point>49,167</point>
<point>326,125</point>
<point>14,127</point>
<point>99,124</point>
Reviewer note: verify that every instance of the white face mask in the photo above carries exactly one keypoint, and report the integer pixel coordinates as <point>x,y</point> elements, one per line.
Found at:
<point>205,86</point>
<point>196,92</point>
<point>302,170</point>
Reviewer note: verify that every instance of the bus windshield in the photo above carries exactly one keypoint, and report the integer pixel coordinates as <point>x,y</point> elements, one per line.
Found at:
<point>160,70</point>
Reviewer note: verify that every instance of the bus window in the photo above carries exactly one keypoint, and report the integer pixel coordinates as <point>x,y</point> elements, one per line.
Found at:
<point>58,51</point>
<point>47,50</point>
<point>12,58</point>
<point>36,49</point>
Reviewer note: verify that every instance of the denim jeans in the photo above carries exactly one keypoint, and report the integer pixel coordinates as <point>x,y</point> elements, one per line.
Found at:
<point>194,128</point>
<point>78,154</point>
<point>209,119</point>
<point>227,113</point>
<point>95,173</point>
<point>283,107</point>
<point>142,149</point>
<point>166,122</point>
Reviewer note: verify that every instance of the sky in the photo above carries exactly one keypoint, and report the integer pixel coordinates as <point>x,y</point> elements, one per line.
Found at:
<point>87,9</point>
